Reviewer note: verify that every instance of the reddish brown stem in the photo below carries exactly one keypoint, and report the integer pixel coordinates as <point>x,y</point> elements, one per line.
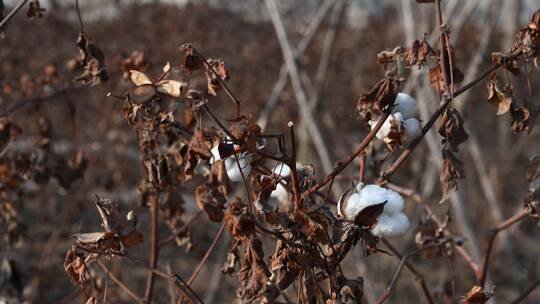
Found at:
<point>294,173</point>
<point>154,248</point>
<point>418,199</point>
<point>120,284</point>
<point>221,82</point>
<point>481,273</point>
<point>438,112</point>
<point>12,13</point>
<point>418,276</point>
<point>362,169</point>
<point>369,137</point>
<point>526,293</point>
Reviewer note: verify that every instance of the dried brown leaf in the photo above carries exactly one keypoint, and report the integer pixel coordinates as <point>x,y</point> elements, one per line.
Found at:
<point>500,98</point>
<point>381,98</point>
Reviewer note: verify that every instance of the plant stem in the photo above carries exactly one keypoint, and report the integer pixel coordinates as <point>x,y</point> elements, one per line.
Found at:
<point>12,13</point>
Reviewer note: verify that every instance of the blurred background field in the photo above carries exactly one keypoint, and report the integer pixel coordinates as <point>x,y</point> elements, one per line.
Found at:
<point>340,64</point>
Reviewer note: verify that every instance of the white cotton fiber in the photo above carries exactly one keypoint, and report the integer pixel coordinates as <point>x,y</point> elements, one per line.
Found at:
<point>215,154</point>
<point>387,125</point>
<point>374,194</point>
<point>233,172</point>
<point>391,222</point>
<point>412,128</point>
<point>282,170</point>
<point>391,225</point>
<point>405,104</point>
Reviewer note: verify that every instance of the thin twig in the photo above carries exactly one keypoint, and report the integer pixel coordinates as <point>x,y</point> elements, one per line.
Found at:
<point>118,282</point>
<point>154,248</point>
<point>81,28</point>
<point>229,93</point>
<point>481,274</point>
<point>438,112</point>
<point>418,276</point>
<point>12,13</point>
<point>294,173</point>
<point>526,293</point>
<point>345,163</point>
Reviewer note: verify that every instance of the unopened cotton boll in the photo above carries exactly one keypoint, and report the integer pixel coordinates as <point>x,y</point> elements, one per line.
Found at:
<point>391,225</point>
<point>387,125</point>
<point>233,172</point>
<point>405,104</point>
<point>412,128</point>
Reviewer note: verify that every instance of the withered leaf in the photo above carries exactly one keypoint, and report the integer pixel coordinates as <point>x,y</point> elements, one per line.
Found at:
<point>477,295</point>
<point>75,267</point>
<point>210,199</point>
<point>254,273</point>
<point>396,137</point>
<point>451,128</point>
<point>35,10</point>
<point>351,291</point>
<point>173,88</point>
<point>451,171</point>
<point>201,142</point>
<point>191,61</point>
<point>417,53</point>
<point>523,117</point>
<point>92,60</point>
<point>139,78</point>
<point>285,265</point>
<point>500,98</point>
<point>214,84</point>
<point>246,132</point>
<point>506,61</point>
<point>368,217</point>
<point>381,98</point>
<point>266,186</point>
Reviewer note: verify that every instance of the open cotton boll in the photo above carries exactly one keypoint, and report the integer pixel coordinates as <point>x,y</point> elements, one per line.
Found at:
<point>369,195</point>
<point>405,105</point>
<point>233,172</point>
<point>391,225</point>
<point>412,128</point>
<point>387,125</point>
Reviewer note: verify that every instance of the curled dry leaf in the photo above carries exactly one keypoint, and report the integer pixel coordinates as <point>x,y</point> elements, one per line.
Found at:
<point>35,10</point>
<point>418,53</point>
<point>451,171</point>
<point>75,267</point>
<point>254,273</point>
<point>146,89</point>
<point>502,99</point>
<point>8,132</point>
<point>92,60</point>
<point>451,128</point>
<point>215,74</point>
<point>245,132</point>
<point>285,265</point>
<point>396,137</point>
<point>477,295</point>
<point>191,61</point>
<point>523,117</point>
<point>381,98</point>
<point>210,199</point>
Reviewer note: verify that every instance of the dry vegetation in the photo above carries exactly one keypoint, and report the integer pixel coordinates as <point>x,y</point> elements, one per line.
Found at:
<point>192,155</point>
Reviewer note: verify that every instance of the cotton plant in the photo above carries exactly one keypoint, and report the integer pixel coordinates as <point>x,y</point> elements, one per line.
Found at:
<point>401,123</point>
<point>391,222</point>
<point>231,164</point>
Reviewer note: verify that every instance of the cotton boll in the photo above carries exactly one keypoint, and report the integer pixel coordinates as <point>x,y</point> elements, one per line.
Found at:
<point>282,170</point>
<point>412,128</point>
<point>369,195</point>
<point>405,104</point>
<point>391,225</point>
<point>233,172</point>
<point>387,125</point>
